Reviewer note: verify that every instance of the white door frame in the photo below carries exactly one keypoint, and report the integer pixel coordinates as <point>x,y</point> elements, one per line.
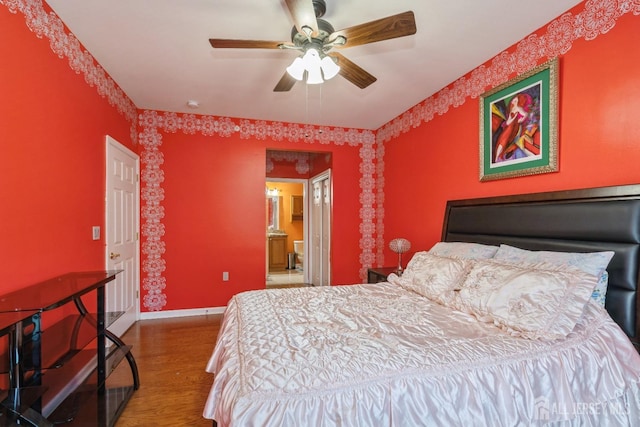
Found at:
<point>113,144</point>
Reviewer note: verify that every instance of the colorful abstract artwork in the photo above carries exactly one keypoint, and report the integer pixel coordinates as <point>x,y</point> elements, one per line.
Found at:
<point>518,125</point>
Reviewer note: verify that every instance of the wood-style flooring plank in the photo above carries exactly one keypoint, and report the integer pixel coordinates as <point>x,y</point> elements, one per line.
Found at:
<point>171,355</point>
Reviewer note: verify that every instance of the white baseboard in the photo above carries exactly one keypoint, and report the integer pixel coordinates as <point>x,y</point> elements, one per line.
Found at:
<point>181,313</point>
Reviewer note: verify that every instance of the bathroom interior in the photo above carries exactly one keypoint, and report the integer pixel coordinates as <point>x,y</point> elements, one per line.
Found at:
<point>285,233</point>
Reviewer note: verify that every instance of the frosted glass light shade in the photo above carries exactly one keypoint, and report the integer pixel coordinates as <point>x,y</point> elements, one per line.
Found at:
<point>329,68</point>
<point>317,70</point>
<point>314,76</point>
<point>311,59</point>
<point>296,69</point>
<point>312,64</point>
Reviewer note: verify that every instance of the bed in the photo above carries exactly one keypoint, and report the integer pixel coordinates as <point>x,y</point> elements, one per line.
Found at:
<point>447,343</point>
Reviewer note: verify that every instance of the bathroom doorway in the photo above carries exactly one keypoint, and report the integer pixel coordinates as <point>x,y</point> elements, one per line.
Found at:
<point>286,231</point>
<point>298,237</point>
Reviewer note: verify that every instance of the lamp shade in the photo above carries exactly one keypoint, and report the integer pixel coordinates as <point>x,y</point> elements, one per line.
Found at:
<point>399,245</point>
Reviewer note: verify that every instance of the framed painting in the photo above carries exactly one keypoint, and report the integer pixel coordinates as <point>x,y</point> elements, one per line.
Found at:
<point>519,125</point>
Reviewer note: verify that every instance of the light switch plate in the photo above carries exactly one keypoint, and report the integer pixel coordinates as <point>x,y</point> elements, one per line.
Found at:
<point>95,232</point>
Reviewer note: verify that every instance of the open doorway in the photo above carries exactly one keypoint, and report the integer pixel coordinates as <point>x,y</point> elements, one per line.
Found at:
<point>293,251</point>
<point>286,231</point>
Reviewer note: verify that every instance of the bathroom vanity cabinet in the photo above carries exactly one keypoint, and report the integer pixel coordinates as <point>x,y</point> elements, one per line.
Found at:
<point>58,369</point>
<point>277,252</point>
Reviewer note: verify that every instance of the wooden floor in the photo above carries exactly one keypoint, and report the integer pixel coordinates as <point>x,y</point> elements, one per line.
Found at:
<point>171,355</point>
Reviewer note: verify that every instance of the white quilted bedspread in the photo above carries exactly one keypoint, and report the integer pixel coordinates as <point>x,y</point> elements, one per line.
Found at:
<point>379,355</point>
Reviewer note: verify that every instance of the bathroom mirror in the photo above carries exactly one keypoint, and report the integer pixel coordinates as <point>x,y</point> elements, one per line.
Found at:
<point>273,213</point>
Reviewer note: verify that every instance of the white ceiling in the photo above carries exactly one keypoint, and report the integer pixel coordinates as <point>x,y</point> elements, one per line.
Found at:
<point>158,52</point>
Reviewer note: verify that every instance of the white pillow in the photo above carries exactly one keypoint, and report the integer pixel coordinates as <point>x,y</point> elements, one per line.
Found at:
<point>435,277</point>
<point>464,250</point>
<point>594,263</point>
<point>590,262</point>
<point>535,301</point>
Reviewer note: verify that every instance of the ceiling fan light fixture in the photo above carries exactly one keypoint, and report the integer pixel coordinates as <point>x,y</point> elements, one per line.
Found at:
<point>329,68</point>
<point>318,70</point>
<point>297,69</point>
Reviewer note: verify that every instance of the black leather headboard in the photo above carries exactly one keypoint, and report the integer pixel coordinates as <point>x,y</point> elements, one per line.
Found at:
<point>597,219</point>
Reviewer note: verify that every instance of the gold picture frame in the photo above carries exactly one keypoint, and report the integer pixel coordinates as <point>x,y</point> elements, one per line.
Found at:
<point>519,125</point>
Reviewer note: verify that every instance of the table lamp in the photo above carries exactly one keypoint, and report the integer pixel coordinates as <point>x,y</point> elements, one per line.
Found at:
<point>399,246</point>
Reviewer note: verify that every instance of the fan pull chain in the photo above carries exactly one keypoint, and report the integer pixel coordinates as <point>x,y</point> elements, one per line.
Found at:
<point>320,118</point>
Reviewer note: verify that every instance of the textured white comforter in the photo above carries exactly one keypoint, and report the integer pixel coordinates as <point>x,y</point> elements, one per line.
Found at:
<point>379,355</point>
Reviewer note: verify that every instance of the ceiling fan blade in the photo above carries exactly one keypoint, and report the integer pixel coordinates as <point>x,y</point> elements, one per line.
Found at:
<point>246,44</point>
<point>352,72</point>
<point>285,84</point>
<point>303,14</point>
<point>400,25</point>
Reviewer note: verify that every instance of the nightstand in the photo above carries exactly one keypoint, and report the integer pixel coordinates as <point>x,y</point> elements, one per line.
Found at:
<point>375,275</point>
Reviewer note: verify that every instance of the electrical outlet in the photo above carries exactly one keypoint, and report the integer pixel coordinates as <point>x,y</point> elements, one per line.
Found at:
<point>95,232</point>
<point>225,276</point>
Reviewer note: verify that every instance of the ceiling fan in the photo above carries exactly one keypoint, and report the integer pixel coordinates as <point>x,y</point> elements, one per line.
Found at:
<point>316,38</point>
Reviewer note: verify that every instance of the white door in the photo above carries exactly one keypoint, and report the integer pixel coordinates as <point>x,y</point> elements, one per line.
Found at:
<point>320,255</point>
<point>121,233</point>
<point>326,231</point>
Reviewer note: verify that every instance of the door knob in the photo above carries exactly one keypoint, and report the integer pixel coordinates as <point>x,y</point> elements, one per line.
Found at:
<point>114,256</point>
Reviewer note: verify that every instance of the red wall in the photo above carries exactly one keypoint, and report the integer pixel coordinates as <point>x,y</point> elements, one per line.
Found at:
<point>214,215</point>
<point>599,96</point>
<point>52,155</point>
